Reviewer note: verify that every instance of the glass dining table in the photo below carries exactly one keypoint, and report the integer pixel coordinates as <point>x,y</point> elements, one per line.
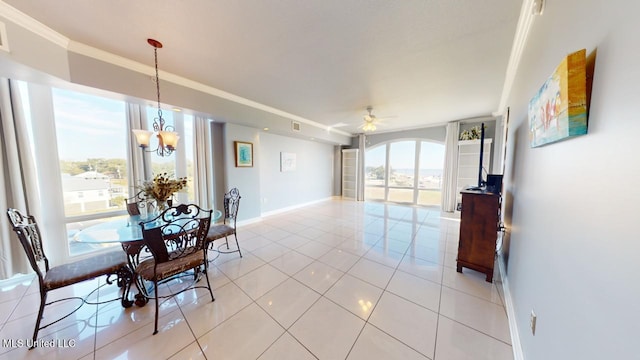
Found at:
<point>128,233</point>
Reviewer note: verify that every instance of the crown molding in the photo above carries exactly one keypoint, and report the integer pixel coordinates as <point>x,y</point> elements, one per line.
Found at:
<point>25,21</point>
<point>123,62</point>
<point>525,21</point>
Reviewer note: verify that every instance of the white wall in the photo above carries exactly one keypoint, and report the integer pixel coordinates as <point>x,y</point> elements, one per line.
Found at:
<point>573,206</point>
<point>311,181</point>
<point>246,179</point>
<point>263,187</point>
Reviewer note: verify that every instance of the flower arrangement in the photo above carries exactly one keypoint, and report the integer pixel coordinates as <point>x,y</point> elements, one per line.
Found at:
<point>162,187</point>
<point>471,134</point>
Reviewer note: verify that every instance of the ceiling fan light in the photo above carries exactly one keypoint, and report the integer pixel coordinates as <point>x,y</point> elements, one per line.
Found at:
<point>369,126</point>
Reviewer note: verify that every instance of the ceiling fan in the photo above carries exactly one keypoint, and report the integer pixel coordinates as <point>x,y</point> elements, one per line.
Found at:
<point>370,121</point>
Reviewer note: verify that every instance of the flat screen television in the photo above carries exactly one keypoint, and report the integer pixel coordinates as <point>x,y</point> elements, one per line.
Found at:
<point>480,182</point>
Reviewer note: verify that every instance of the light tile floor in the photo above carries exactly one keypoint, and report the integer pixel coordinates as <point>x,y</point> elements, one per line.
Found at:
<point>335,280</point>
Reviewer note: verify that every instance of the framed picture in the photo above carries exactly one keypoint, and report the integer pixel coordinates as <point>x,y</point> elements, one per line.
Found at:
<point>559,110</point>
<point>287,162</point>
<point>244,153</point>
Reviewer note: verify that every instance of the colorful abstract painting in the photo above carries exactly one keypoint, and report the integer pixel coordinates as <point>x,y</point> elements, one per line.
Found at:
<point>559,109</point>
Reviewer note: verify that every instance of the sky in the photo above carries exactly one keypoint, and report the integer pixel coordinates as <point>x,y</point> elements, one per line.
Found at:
<point>89,126</point>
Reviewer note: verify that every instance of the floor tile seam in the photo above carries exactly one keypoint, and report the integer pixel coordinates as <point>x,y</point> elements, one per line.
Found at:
<point>20,296</point>
<point>259,247</point>
<point>10,349</point>
<point>249,296</point>
<point>14,309</point>
<point>380,263</point>
<point>250,271</point>
<point>474,329</point>
<point>472,295</point>
<point>398,269</point>
<point>366,281</point>
<point>300,317</point>
<point>365,321</point>
<point>278,338</point>
<point>333,267</point>
<point>415,303</point>
<point>142,325</point>
<point>277,257</point>
<point>420,277</point>
<point>435,344</point>
<point>322,295</point>
<point>68,314</point>
<point>351,312</point>
<point>278,239</point>
<point>290,248</point>
<point>274,319</point>
<point>378,302</point>
<point>359,333</point>
<point>224,321</point>
<point>95,330</point>
<point>195,337</point>
<point>314,258</point>
<point>332,285</point>
<point>400,341</point>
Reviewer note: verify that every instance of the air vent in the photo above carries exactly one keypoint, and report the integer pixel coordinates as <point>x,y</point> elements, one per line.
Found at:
<point>4,43</point>
<point>295,126</point>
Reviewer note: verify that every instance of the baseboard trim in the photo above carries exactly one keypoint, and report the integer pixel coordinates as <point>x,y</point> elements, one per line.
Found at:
<point>511,312</point>
<point>294,207</point>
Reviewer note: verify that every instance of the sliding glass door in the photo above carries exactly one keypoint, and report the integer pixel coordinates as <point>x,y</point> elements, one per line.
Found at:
<point>407,171</point>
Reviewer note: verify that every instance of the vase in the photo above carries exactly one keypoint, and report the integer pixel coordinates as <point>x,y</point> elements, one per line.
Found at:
<point>161,205</point>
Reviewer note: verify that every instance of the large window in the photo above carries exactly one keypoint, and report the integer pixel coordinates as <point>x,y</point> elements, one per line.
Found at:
<point>92,137</point>
<point>402,170</point>
<point>430,174</point>
<point>188,148</point>
<point>92,148</point>
<point>92,140</point>
<point>391,173</point>
<point>80,160</point>
<point>375,173</point>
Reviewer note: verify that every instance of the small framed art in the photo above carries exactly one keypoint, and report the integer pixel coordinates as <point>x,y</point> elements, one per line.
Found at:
<point>244,153</point>
<point>287,162</point>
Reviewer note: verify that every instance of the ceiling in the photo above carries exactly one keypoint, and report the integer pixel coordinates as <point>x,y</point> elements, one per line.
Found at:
<point>417,62</point>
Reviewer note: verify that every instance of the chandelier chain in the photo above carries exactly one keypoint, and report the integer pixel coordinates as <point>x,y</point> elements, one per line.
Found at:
<point>160,119</point>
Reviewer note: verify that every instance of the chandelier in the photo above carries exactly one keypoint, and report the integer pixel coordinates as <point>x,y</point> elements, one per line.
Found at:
<point>167,137</point>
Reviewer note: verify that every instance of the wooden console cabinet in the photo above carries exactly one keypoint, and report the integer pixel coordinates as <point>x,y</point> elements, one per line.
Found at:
<point>479,221</point>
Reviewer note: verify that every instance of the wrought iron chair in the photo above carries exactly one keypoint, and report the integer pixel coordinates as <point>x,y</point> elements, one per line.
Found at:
<point>135,202</point>
<point>228,227</point>
<point>176,239</point>
<point>139,201</point>
<point>51,278</point>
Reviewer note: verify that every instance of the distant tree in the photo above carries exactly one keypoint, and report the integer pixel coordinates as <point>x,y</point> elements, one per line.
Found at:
<point>376,172</point>
<point>113,168</point>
